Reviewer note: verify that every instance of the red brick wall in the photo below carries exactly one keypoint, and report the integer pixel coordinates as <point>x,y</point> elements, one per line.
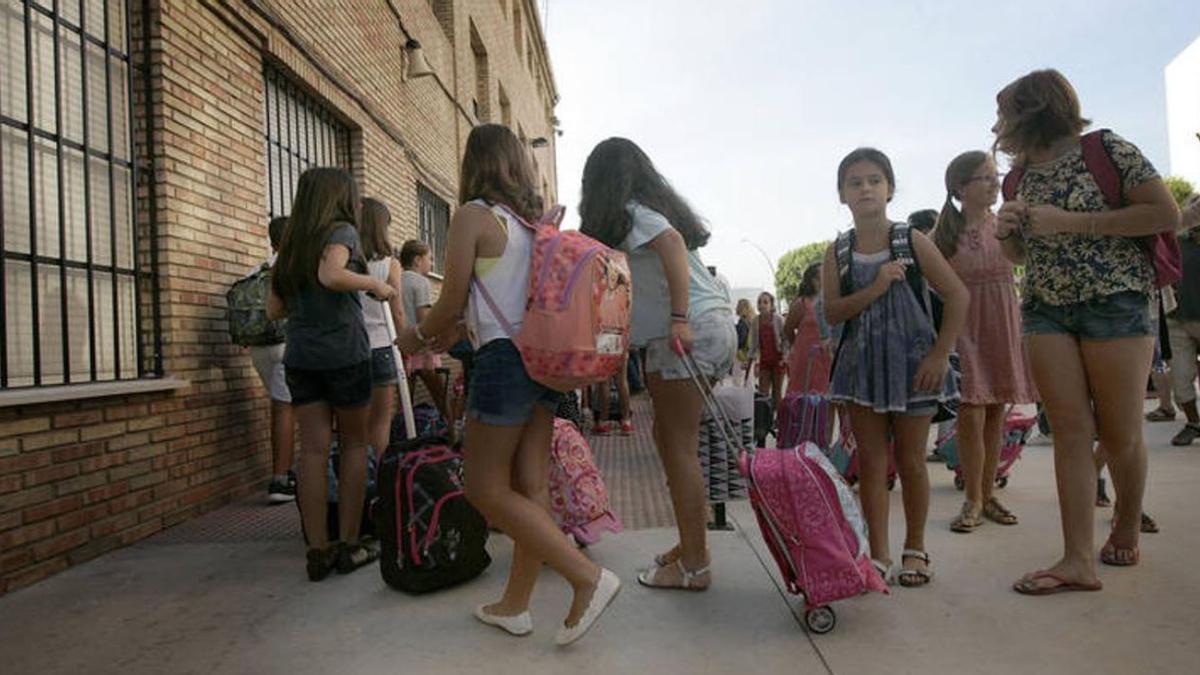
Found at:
<point>81,478</point>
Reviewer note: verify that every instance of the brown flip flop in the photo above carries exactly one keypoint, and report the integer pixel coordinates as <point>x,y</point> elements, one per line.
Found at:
<point>1028,585</point>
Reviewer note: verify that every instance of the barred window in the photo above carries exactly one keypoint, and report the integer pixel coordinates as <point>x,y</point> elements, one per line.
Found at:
<point>433,222</point>
<point>69,267</point>
<point>301,133</point>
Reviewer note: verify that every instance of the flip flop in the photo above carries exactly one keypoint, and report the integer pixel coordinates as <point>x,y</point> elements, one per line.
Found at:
<point>1109,555</point>
<point>1028,585</point>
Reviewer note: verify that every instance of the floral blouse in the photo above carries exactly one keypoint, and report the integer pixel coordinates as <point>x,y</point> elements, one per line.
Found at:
<point>1069,268</point>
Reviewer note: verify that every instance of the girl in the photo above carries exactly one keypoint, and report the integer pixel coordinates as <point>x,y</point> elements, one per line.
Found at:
<point>509,416</point>
<point>891,366</point>
<point>628,204</point>
<point>1085,309</point>
<point>768,345</point>
<point>745,315</point>
<point>806,332</point>
<point>380,320</point>
<point>994,371</point>
<point>328,357</point>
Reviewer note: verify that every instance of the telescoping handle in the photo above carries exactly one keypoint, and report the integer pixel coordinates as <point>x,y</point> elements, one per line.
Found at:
<point>728,430</point>
<point>406,407</point>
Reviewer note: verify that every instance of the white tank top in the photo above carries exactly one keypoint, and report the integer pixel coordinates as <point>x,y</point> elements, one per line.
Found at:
<point>507,282</point>
<point>377,316</point>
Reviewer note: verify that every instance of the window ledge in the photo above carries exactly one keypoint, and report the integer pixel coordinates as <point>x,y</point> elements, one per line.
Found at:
<point>74,392</point>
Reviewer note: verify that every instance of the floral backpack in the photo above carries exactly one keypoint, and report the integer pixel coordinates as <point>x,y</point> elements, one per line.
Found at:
<point>578,497</point>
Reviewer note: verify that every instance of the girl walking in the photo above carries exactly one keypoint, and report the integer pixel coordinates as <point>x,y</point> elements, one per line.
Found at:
<point>994,371</point>
<point>891,366</point>
<point>627,204</point>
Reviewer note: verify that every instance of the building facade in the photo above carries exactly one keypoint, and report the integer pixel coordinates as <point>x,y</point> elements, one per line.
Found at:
<point>1183,113</point>
<point>145,145</point>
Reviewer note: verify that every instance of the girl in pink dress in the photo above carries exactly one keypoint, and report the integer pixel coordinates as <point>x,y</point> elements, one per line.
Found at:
<point>809,358</point>
<point>994,370</point>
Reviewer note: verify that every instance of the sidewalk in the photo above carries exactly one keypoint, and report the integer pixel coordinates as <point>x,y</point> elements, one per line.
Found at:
<point>226,594</point>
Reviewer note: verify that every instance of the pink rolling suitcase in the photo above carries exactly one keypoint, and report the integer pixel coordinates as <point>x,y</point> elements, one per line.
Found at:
<point>805,415</point>
<point>809,519</point>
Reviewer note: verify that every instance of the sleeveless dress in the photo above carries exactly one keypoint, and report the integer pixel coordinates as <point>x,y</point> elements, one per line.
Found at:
<point>769,344</point>
<point>883,347</point>
<point>994,367</point>
<point>808,361</point>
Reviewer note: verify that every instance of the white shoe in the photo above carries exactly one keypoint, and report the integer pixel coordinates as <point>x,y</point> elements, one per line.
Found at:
<point>607,588</point>
<point>518,624</point>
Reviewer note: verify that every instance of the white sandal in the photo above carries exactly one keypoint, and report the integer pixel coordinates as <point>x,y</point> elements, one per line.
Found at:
<point>649,577</point>
<point>916,578</point>
<point>888,572</point>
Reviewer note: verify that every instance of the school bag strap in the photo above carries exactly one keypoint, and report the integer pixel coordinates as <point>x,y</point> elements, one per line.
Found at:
<point>900,244</point>
<point>843,253</point>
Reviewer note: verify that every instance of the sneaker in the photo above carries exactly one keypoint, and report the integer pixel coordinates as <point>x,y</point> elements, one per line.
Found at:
<point>282,491</point>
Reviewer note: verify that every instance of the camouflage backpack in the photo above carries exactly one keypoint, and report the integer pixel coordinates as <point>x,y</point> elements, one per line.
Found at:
<point>247,310</point>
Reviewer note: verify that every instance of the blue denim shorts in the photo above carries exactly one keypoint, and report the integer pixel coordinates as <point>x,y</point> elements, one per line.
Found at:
<point>501,392</point>
<point>1108,317</point>
<point>383,367</point>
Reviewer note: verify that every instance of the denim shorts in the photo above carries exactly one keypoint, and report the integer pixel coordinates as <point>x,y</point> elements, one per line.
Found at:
<point>501,392</point>
<point>348,387</point>
<point>1108,317</point>
<point>383,367</point>
<point>714,347</point>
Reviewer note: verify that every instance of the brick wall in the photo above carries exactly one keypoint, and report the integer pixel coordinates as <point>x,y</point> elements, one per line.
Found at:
<point>80,478</point>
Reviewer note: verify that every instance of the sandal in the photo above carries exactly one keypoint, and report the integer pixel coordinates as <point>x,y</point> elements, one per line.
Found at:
<point>1189,433</point>
<point>1028,585</point>
<point>354,556</point>
<point>966,520</point>
<point>1160,415</point>
<point>1149,526</point>
<point>886,570</point>
<point>912,578</point>
<point>322,561</point>
<point>649,577</point>
<point>994,511</point>
<point>1111,554</point>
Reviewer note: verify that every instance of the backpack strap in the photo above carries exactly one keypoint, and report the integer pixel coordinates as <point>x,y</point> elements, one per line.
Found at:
<point>1100,164</point>
<point>1012,181</point>
<point>900,243</point>
<point>843,253</point>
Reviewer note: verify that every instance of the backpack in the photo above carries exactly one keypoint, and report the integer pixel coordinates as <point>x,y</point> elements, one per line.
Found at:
<point>246,311</point>
<point>333,473</point>
<point>1162,248</point>
<point>576,325</point>
<point>578,497</point>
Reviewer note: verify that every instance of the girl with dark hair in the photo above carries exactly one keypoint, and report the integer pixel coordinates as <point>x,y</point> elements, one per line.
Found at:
<point>627,204</point>
<point>995,373</point>
<point>381,319</point>
<point>318,274</point>
<point>1086,310</point>
<point>808,334</point>
<point>892,365</point>
<point>769,345</point>
<point>510,417</point>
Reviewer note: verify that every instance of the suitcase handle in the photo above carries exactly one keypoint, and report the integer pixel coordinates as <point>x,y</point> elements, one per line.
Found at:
<point>726,427</point>
<point>406,407</point>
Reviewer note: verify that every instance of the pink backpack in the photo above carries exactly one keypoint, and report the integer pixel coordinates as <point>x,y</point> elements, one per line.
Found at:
<point>576,325</point>
<point>578,497</point>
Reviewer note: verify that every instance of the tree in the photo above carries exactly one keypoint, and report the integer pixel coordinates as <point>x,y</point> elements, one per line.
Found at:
<point>1180,189</point>
<point>791,268</point>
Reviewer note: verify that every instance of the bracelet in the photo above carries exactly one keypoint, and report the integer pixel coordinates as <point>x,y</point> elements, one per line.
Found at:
<point>680,316</point>
<point>678,319</point>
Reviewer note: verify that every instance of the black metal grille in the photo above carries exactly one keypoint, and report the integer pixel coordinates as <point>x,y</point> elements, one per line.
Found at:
<point>433,221</point>
<point>69,267</point>
<point>301,133</point>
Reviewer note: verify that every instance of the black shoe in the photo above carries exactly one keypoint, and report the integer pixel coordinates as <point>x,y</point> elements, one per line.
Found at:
<point>353,556</point>
<point>1101,493</point>
<point>322,561</point>
<point>280,491</point>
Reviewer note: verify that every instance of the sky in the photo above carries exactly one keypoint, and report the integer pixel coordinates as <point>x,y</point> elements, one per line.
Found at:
<point>747,107</point>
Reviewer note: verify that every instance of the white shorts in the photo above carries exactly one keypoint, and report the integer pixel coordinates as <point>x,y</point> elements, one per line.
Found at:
<point>268,361</point>
<point>714,342</point>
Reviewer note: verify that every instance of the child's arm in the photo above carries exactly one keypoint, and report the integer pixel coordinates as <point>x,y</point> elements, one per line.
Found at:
<point>396,303</point>
<point>840,309</point>
<point>672,250</point>
<point>1008,231</point>
<point>332,274</point>
<point>955,299</point>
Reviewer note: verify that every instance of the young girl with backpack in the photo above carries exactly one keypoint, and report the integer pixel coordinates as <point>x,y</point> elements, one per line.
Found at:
<point>627,204</point>
<point>510,418</point>
<point>768,345</point>
<point>892,364</point>
<point>316,280</point>
<point>382,320</point>
<point>1085,308</point>
<point>995,374</point>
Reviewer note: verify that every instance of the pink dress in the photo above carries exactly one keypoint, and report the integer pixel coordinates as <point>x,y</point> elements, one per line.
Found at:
<point>994,367</point>
<point>808,360</point>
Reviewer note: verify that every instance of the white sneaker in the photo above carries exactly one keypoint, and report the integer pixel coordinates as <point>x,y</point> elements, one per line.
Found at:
<point>518,624</point>
<point>606,589</point>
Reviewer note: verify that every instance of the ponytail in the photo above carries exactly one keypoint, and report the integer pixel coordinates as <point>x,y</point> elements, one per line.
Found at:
<point>949,227</point>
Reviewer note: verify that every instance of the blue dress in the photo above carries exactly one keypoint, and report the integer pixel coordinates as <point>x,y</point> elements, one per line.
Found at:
<point>883,347</point>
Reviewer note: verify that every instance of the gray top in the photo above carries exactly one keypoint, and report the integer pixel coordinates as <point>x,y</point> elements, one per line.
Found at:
<point>325,328</point>
<point>415,290</point>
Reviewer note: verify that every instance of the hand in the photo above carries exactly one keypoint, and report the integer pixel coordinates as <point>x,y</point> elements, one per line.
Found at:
<point>446,340</point>
<point>889,273</point>
<point>1011,217</point>
<point>681,331</point>
<point>408,342</point>
<point>381,290</point>
<point>1045,220</point>
<point>931,374</point>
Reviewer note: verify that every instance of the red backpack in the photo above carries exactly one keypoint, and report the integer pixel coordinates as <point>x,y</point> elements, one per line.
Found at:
<point>1163,248</point>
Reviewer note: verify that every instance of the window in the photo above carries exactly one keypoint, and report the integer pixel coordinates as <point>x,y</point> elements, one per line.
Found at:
<point>69,267</point>
<point>433,221</point>
<point>301,133</point>
<point>483,98</point>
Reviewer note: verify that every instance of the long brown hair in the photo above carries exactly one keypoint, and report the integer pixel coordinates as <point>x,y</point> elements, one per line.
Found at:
<point>326,197</point>
<point>496,169</point>
<point>373,229</point>
<point>950,222</point>
<point>1034,111</point>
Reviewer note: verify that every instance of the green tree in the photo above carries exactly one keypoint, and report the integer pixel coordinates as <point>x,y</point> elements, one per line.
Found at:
<point>1180,188</point>
<point>791,268</point>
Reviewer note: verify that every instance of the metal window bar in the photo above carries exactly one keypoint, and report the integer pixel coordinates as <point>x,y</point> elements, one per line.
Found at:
<point>433,221</point>
<point>46,21</point>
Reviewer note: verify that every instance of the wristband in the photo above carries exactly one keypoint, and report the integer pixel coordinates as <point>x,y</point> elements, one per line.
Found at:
<point>681,316</point>
<point>676,319</point>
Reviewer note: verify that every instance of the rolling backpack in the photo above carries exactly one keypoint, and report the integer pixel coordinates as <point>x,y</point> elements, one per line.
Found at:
<point>576,325</point>
<point>246,311</point>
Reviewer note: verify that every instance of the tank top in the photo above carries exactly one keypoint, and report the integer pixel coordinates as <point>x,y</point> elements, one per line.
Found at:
<point>506,280</point>
<point>377,316</point>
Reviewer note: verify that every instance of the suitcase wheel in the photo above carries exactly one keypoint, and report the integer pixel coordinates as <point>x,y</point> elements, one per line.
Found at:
<point>820,620</point>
